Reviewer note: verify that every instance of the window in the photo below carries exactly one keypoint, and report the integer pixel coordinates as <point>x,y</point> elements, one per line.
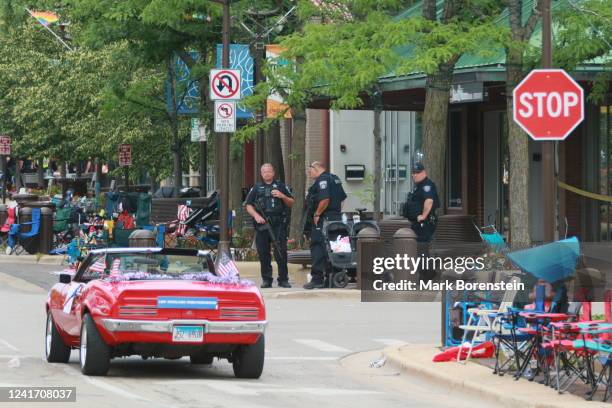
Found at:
<point>96,268</point>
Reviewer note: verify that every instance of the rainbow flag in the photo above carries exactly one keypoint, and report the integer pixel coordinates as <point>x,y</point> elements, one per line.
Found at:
<point>44,17</point>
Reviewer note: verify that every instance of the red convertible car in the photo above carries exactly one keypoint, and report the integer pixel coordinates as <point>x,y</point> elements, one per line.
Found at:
<point>155,302</point>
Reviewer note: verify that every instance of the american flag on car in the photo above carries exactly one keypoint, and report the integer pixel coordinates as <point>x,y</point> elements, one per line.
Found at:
<point>99,265</point>
<point>227,267</point>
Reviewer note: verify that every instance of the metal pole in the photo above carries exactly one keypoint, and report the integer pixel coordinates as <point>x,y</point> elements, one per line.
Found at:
<point>224,151</point>
<point>549,190</point>
<point>203,168</point>
<point>3,171</point>
<point>126,174</point>
<point>260,115</point>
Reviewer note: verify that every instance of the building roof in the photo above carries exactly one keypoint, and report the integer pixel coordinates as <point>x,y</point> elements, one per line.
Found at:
<point>476,67</point>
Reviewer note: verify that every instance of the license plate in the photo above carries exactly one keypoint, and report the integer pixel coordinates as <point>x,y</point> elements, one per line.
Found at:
<point>188,333</point>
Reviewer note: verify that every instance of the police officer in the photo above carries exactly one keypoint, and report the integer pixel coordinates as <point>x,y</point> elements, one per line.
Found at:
<point>420,209</point>
<point>268,203</point>
<point>326,195</point>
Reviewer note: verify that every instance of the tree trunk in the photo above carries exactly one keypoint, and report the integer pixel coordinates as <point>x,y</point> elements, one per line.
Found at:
<point>518,151</point>
<point>18,183</point>
<point>274,151</point>
<point>177,165</point>
<point>62,165</point>
<point>40,174</point>
<point>236,177</point>
<point>377,162</point>
<point>435,118</point>
<point>177,168</point>
<point>298,171</point>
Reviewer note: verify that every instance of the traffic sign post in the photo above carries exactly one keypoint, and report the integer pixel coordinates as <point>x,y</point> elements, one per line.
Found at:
<point>225,117</point>
<point>225,84</point>
<point>548,104</point>
<point>5,151</point>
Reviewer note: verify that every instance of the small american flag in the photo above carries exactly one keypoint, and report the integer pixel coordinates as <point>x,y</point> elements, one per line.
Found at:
<point>227,267</point>
<point>183,214</point>
<point>115,270</point>
<point>99,265</point>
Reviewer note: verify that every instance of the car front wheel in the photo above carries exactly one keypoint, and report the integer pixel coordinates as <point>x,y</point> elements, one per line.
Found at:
<point>95,355</point>
<point>55,349</point>
<point>249,360</point>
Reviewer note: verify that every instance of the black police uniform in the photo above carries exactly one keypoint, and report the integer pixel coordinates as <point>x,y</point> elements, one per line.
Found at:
<point>260,197</point>
<point>425,229</point>
<point>422,191</point>
<point>325,186</point>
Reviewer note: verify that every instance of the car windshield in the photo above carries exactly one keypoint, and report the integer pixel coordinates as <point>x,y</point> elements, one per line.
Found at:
<point>147,266</point>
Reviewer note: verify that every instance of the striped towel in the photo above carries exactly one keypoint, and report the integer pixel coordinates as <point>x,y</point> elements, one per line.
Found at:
<point>183,214</point>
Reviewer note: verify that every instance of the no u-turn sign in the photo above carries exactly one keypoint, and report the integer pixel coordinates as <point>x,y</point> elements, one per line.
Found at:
<point>548,104</point>
<point>224,84</point>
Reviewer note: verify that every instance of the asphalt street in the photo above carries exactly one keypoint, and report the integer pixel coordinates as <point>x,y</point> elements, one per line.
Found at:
<point>318,353</point>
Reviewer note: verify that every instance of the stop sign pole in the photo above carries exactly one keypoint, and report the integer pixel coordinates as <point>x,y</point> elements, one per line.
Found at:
<point>548,105</point>
<point>549,149</point>
<point>224,239</point>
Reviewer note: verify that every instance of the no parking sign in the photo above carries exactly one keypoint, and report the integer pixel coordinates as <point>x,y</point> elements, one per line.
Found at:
<point>225,117</point>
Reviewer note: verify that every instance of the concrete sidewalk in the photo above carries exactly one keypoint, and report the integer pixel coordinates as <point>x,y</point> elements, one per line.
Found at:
<point>479,380</point>
<point>32,259</point>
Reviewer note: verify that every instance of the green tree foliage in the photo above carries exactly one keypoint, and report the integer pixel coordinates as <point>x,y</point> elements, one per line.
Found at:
<point>584,34</point>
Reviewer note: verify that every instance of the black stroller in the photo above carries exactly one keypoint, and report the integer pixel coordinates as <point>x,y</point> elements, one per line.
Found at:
<point>342,262</point>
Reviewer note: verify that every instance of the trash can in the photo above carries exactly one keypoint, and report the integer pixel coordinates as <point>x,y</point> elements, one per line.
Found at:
<point>21,199</point>
<point>46,230</point>
<point>142,239</point>
<point>369,246</point>
<point>39,204</point>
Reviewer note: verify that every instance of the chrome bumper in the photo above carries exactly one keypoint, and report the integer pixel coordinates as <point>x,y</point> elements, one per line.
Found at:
<point>165,326</point>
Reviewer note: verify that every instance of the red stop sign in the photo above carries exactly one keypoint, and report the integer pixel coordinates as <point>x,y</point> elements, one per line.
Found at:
<point>548,104</point>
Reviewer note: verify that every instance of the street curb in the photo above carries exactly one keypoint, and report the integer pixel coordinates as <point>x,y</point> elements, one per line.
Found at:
<point>483,389</point>
<point>32,259</point>
<point>314,294</point>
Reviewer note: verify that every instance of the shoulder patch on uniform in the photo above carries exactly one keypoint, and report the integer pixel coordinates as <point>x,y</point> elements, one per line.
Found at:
<point>323,184</point>
<point>427,189</point>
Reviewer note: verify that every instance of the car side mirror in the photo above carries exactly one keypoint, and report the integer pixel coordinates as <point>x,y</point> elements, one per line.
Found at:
<point>65,278</point>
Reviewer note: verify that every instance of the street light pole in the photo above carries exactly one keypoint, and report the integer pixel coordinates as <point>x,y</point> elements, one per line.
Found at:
<point>225,139</point>
<point>549,197</point>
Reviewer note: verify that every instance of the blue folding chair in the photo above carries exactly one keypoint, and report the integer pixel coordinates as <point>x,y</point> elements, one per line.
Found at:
<point>17,238</point>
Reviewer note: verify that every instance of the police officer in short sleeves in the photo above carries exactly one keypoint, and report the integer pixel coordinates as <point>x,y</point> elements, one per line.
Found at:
<point>270,201</point>
<point>422,204</point>
<point>327,195</point>
<point>420,209</point>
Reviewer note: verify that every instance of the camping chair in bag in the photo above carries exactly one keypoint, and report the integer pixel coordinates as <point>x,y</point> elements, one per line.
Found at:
<point>484,322</point>
<point>17,239</point>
